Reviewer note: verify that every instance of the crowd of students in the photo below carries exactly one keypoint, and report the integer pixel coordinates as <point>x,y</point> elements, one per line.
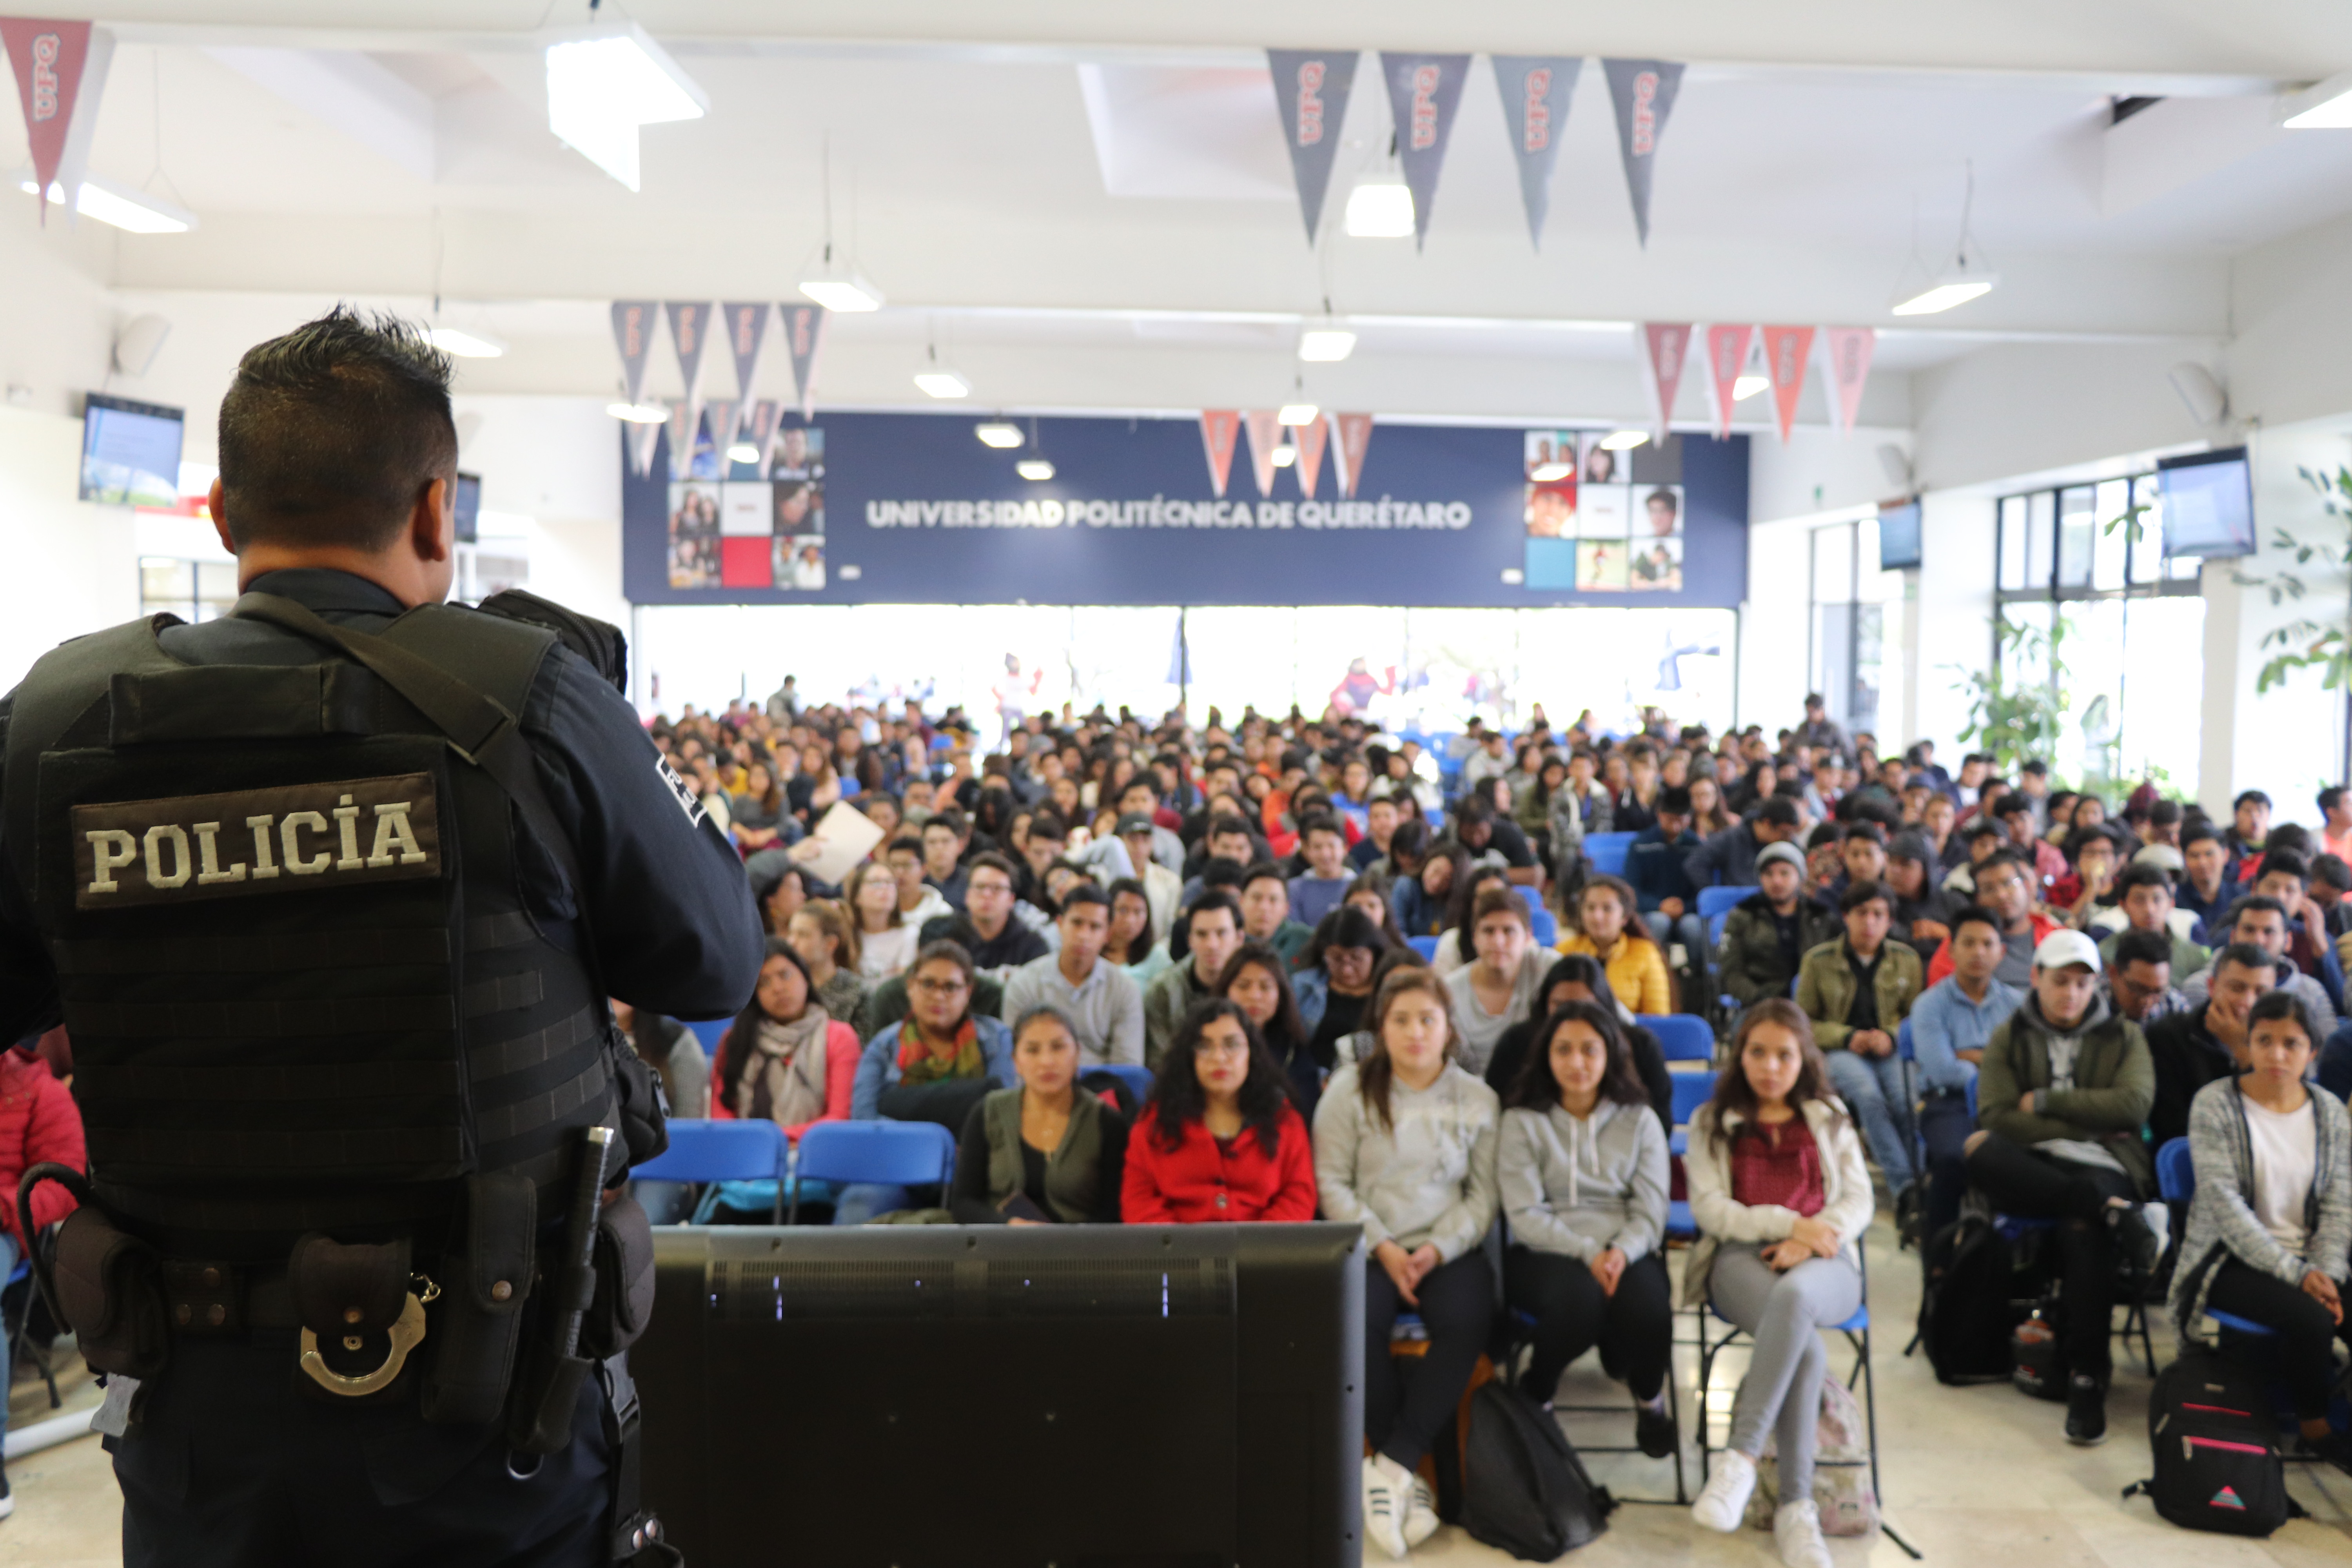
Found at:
<point>1979,985</point>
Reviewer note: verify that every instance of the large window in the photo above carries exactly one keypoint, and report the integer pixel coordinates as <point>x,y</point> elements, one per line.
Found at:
<point>1855,632</point>
<point>192,590</point>
<point>2092,609</point>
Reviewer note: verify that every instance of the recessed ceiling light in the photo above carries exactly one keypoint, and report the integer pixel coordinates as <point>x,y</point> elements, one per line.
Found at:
<point>1326,345</point>
<point>1552,473</point>
<point>1284,456</point>
<point>1747,386</point>
<point>1037,468</point>
<point>1946,292</point>
<point>743,452</point>
<point>465,344</point>
<point>639,412</point>
<point>601,88</point>
<point>134,212</point>
<point>1623,440</point>
<point>1380,209</point>
<point>996,433</point>
<point>942,383</point>
<point>1297,414</point>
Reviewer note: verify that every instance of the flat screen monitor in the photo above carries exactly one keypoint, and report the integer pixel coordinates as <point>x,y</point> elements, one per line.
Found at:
<point>469,508</point>
<point>1898,536</point>
<point>2208,504</point>
<point>129,452</point>
<point>944,1396</point>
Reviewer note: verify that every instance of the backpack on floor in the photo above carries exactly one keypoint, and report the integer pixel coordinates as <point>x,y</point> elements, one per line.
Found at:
<point>1842,1489</point>
<point>1965,1316</point>
<point>1524,1490</point>
<point>2216,1445</point>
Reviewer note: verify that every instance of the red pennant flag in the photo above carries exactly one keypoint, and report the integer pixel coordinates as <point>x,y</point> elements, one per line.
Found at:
<point>1264,435</point>
<point>1727,356</point>
<point>1354,433</point>
<point>1786,349</point>
<point>54,61</point>
<point>1220,428</point>
<point>1848,350</point>
<point>1310,440</point>
<point>1665,348</point>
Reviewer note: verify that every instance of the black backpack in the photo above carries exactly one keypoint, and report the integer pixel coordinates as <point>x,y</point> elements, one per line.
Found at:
<point>2215,1443</point>
<point>1965,1316</point>
<point>1524,1490</point>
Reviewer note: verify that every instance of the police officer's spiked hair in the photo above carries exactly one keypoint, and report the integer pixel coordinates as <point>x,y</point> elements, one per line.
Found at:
<point>331,434</point>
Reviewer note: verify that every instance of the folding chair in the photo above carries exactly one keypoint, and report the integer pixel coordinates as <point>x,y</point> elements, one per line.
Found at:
<point>1607,851</point>
<point>2014,1228</point>
<point>887,1153</point>
<point>710,1152</point>
<point>1692,1089</point>
<point>1683,1036</point>
<point>1424,945</point>
<point>708,1030</point>
<point>1137,1078</point>
<point>2176,1184</point>
<point>1717,902</point>
<point>1519,1330</point>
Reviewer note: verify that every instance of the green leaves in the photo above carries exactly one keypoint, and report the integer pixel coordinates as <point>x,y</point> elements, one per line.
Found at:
<point>2306,644</point>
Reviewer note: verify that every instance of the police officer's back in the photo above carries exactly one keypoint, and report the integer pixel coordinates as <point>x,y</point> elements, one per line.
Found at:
<point>330,895</point>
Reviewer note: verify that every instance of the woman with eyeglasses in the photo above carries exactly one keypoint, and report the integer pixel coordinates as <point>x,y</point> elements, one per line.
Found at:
<point>1218,1140</point>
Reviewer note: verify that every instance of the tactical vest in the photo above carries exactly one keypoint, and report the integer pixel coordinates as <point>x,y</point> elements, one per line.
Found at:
<point>284,910</point>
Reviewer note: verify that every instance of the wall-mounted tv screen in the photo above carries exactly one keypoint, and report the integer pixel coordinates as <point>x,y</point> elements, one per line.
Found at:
<point>469,508</point>
<point>2208,504</point>
<point>1899,535</point>
<point>129,452</point>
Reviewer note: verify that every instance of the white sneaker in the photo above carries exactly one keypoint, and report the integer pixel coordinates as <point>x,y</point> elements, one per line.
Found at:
<point>1797,1531</point>
<point>1723,1501</point>
<point>1384,1507</point>
<point>1420,1513</point>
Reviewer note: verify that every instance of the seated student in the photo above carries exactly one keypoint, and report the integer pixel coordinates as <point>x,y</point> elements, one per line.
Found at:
<point>1048,1152</point>
<point>786,1059</point>
<point>1455,944</point>
<point>1228,838</point>
<point>1129,944</point>
<point>1211,930</point>
<point>2262,922</point>
<point>2286,877</point>
<point>2005,885</point>
<point>1857,990</point>
<point>1580,1168</point>
<point>917,899</point>
<point>2061,1096</point>
<point>1003,943</point>
<point>944,835</point>
<point>821,933</point>
<point>778,887</point>
<point>1264,899</point>
<point>1496,839</point>
<point>2138,977</point>
<point>1404,1144</point>
<point>1219,1140</point>
<point>2205,889</point>
<point>1105,1006</point>
<point>1655,866</point>
<point>1862,857</point>
<point>1334,980</point>
<point>1950,1023</point>
<point>928,1065</point>
<point>2272,1220</point>
<point>1257,981</point>
<point>1922,911</point>
<point>1498,988</point>
<point>2196,1046</point>
<point>1421,876</point>
<point>885,943</point>
<point>2144,902</point>
<point>1581,978</point>
<point>1318,891</point>
<point>1768,933</point>
<point>1369,892</point>
<point>1382,818</point>
<point>2087,889</point>
<point>1733,857</point>
<point>1780,1194</point>
<point>1607,930</point>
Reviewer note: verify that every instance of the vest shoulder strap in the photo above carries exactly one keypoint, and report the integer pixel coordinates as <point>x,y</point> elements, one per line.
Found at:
<point>62,686</point>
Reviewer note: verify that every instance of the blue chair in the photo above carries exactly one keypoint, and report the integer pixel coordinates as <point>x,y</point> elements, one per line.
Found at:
<point>1531,897</point>
<point>708,1031</point>
<point>714,1152</point>
<point>2176,1184</point>
<point>1607,851</point>
<point>1137,1078</point>
<point>1424,945</point>
<point>1682,1036</point>
<point>1692,1089</point>
<point>886,1153</point>
<point>1546,927</point>
<point>1716,902</point>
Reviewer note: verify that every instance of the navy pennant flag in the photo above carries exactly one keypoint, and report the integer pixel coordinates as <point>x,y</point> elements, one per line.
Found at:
<point>632,334</point>
<point>1423,92</point>
<point>746,334</point>
<point>1536,90</point>
<point>1310,90</point>
<point>1643,92</point>
<point>690,333</point>
<point>803,331</point>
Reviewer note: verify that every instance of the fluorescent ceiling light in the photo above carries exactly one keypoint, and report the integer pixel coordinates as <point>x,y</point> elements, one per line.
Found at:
<point>1380,209</point>
<point>601,87</point>
<point>1037,468</point>
<point>1297,414</point>
<point>1284,456</point>
<point>1747,386</point>
<point>1946,292</point>
<point>465,344</point>
<point>2325,107</point>
<point>1552,473</point>
<point>942,383</point>
<point>639,412</point>
<point>132,211</point>
<point>846,294</point>
<point>1326,345</point>
<point>996,433</point>
<point>1623,440</point>
<point>743,452</point>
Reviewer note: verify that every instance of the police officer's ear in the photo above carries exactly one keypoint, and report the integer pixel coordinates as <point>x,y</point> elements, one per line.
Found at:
<point>433,523</point>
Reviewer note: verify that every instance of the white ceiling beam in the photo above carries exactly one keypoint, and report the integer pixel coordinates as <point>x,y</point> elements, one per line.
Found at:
<point>2169,146</point>
<point>348,91</point>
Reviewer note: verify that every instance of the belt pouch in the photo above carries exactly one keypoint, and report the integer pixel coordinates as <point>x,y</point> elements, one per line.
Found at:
<point>478,1320</point>
<point>349,1298</point>
<point>109,1287</point>
<point>624,1281</point>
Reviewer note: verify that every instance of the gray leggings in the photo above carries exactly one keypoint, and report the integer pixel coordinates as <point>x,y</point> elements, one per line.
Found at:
<point>1782,1389</point>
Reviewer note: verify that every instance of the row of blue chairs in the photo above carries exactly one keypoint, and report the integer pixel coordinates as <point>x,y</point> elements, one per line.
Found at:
<point>896,1153</point>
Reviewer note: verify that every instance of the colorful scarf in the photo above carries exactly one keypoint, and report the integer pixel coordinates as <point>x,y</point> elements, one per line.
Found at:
<point>921,1060</point>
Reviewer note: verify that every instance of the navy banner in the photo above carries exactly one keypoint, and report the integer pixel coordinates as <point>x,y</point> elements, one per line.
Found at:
<point>911,508</point>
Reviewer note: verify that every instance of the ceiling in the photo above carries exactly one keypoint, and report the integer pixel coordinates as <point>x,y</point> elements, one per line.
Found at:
<point>1093,202</point>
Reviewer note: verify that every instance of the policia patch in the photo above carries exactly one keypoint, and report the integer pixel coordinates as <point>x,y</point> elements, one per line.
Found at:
<point>303,836</point>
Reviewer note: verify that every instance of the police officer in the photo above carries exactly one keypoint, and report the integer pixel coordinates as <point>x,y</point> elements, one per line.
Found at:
<point>329,893</point>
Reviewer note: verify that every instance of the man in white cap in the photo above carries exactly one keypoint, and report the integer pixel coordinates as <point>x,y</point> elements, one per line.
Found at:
<point>2063,1090</point>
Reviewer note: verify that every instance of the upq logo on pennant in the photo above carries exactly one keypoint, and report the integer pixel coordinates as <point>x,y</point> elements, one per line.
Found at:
<point>293,839</point>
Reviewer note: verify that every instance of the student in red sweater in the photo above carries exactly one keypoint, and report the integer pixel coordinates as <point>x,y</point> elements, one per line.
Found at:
<point>1220,1140</point>
<point>39,1122</point>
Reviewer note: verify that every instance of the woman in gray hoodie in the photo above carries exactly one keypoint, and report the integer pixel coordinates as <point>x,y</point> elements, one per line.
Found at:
<point>1581,1167</point>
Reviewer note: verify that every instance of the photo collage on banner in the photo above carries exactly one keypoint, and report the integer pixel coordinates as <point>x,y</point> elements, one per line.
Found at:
<point>757,524</point>
<point>1604,521</point>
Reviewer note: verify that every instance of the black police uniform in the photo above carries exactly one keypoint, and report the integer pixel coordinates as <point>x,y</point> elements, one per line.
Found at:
<point>363,998</point>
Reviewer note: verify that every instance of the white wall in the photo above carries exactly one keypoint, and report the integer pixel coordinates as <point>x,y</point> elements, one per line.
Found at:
<point>72,567</point>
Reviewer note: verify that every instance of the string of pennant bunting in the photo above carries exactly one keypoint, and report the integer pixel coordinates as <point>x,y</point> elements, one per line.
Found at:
<point>1311,88</point>
<point>729,420</point>
<point>1347,436</point>
<point>1666,347</point>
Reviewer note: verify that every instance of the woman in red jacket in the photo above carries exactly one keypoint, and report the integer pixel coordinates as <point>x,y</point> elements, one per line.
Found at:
<point>38,1122</point>
<point>1220,1140</point>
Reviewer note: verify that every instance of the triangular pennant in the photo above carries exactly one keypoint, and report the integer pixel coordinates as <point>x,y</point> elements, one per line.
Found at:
<point>632,334</point>
<point>803,331</point>
<point>1264,426</point>
<point>1727,357</point>
<point>1353,434</point>
<point>1665,350</point>
<point>1310,94</point>
<point>759,426</point>
<point>642,441</point>
<point>60,74</point>
<point>1848,350</point>
<point>1644,93</point>
<point>719,415</point>
<point>1786,349</point>
<point>746,334</point>
<point>689,334</point>
<point>1536,90</point>
<point>1423,92</point>
<point>1310,440</point>
<point>684,420</point>
<point>1220,428</point>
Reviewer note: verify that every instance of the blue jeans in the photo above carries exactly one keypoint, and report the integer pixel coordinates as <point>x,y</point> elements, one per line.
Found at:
<point>1688,929</point>
<point>1944,1127</point>
<point>1873,1088</point>
<point>8,1345</point>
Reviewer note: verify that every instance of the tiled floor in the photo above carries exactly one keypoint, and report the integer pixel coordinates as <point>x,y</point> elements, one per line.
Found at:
<point>1975,1477</point>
